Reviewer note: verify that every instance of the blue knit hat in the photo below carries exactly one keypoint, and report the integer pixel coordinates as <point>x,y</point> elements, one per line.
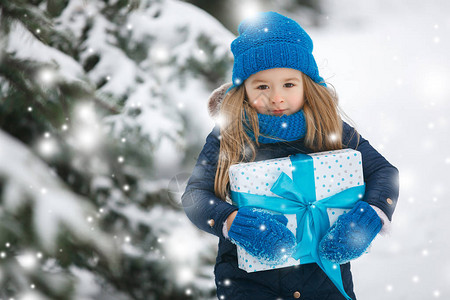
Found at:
<point>270,40</point>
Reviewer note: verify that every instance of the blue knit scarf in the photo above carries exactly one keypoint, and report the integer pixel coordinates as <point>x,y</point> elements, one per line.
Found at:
<point>274,129</point>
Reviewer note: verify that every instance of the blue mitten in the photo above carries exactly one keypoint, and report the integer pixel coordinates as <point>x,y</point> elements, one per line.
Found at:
<point>351,235</point>
<point>263,234</point>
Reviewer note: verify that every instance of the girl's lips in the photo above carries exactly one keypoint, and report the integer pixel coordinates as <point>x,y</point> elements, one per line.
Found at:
<point>278,112</point>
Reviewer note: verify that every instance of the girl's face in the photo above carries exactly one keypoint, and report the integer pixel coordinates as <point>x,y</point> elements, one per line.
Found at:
<point>276,91</point>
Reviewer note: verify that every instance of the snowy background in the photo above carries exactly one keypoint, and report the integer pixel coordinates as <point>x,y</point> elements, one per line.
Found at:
<point>388,61</point>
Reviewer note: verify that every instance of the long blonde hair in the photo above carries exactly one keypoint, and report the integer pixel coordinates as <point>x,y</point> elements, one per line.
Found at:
<point>323,123</point>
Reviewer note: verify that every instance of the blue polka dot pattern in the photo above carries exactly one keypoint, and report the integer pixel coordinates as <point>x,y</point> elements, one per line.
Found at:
<point>334,213</point>
<point>343,168</point>
<point>246,174</point>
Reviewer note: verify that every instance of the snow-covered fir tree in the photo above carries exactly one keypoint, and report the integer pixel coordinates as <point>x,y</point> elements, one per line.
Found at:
<point>99,110</point>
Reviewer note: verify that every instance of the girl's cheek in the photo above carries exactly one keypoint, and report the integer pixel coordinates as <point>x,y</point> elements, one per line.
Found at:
<point>255,103</point>
<point>262,100</point>
<point>258,107</point>
<point>261,106</point>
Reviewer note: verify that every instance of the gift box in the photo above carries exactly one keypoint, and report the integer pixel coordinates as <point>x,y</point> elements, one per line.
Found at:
<point>308,189</point>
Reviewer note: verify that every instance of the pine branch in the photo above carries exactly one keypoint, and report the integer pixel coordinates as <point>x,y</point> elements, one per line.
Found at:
<point>15,71</point>
<point>21,74</point>
<point>30,16</point>
<point>36,21</point>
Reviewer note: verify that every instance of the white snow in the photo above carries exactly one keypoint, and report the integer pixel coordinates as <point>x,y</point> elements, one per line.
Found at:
<point>26,46</point>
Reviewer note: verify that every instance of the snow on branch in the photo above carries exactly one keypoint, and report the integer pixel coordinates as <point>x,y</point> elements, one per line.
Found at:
<point>29,181</point>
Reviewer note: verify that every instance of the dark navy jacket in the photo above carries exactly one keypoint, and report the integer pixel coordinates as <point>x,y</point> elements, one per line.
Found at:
<point>209,213</point>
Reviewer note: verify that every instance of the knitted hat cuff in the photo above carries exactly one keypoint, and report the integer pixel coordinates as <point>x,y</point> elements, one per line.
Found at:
<point>274,55</point>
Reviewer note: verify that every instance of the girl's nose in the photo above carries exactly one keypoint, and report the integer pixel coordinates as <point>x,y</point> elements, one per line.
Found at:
<point>277,98</point>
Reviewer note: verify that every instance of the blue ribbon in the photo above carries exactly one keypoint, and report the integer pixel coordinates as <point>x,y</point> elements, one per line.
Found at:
<point>298,196</point>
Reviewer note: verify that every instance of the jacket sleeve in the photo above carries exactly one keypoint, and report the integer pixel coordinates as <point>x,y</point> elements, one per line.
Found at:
<point>201,205</point>
<point>381,178</point>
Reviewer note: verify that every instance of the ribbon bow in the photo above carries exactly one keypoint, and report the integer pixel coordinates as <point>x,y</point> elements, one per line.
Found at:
<point>298,197</point>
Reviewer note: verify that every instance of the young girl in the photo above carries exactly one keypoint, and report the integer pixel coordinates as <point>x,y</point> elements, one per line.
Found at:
<point>278,105</point>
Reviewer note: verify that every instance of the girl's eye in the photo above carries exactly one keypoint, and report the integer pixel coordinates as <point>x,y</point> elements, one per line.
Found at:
<point>288,84</point>
<point>262,87</point>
